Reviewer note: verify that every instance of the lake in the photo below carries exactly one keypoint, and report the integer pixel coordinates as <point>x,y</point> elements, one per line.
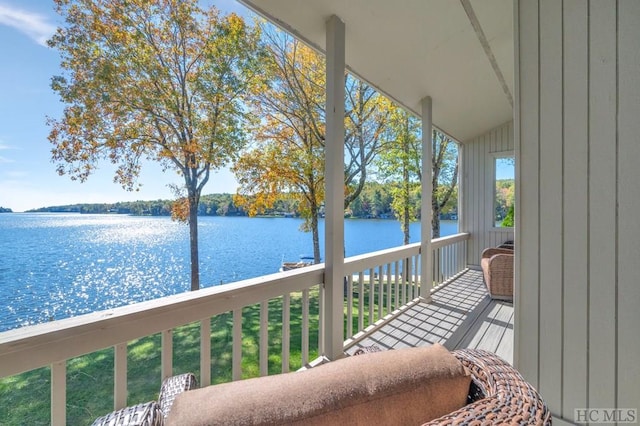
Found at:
<point>54,266</point>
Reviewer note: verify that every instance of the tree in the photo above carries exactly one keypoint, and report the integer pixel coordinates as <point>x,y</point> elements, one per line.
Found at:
<point>289,153</point>
<point>400,164</point>
<point>445,176</point>
<point>288,157</point>
<point>152,80</point>
<point>366,117</point>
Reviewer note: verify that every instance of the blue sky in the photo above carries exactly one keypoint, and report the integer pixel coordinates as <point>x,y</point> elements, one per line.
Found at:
<point>27,176</point>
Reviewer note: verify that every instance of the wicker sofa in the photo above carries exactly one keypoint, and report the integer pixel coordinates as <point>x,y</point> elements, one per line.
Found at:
<point>497,267</point>
<point>399,387</point>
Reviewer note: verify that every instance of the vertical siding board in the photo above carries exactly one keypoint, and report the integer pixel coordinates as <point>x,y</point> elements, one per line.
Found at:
<point>478,188</point>
<point>527,262</point>
<point>479,154</point>
<point>464,225</point>
<point>628,391</point>
<point>478,171</point>
<point>474,199</point>
<point>475,206</point>
<point>602,202</point>
<point>487,188</point>
<point>551,104</point>
<point>575,214</point>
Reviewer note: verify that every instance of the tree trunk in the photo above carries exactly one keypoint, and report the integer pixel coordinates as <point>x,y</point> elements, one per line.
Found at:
<point>406,219</point>
<point>315,234</point>
<point>435,218</point>
<point>193,241</point>
<point>406,216</point>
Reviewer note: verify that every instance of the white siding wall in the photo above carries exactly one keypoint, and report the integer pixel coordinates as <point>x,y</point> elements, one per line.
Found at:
<point>577,135</point>
<point>478,190</point>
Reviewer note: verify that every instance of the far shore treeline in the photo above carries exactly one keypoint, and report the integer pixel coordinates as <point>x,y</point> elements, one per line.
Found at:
<point>375,202</point>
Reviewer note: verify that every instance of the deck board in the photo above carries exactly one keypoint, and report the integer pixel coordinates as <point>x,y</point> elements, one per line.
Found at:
<point>460,315</point>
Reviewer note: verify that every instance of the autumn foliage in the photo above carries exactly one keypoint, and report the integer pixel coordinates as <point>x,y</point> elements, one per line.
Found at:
<point>159,80</point>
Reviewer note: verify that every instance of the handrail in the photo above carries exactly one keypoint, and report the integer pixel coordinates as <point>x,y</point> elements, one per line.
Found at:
<point>36,346</point>
<point>369,260</point>
<point>449,239</point>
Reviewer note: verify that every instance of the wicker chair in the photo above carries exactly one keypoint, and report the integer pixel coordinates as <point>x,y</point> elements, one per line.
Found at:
<point>151,413</point>
<point>497,267</point>
<point>498,394</point>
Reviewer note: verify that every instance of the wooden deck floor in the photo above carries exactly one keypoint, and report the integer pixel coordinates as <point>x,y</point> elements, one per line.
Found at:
<point>460,315</point>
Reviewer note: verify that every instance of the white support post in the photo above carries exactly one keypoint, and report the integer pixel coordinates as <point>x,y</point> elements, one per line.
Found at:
<point>334,189</point>
<point>426,265</point>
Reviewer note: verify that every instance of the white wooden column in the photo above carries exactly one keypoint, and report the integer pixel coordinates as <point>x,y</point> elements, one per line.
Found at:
<point>426,265</point>
<point>334,189</point>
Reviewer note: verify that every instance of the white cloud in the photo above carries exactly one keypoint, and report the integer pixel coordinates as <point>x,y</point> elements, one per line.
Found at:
<point>34,25</point>
<point>4,147</point>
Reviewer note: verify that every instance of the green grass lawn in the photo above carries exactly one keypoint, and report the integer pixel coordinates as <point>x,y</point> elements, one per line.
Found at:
<point>25,398</point>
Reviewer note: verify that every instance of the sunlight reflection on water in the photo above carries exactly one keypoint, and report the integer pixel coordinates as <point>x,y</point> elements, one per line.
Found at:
<point>54,266</point>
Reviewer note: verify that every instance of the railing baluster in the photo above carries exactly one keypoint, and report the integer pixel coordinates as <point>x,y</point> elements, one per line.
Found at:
<point>167,354</point>
<point>372,296</point>
<point>443,264</point>
<point>436,266</point>
<point>397,298</point>
<point>405,281</point>
<point>205,352</point>
<point>59,393</point>
<point>410,278</point>
<point>305,326</point>
<point>449,262</point>
<point>360,301</point>
<point>380,292</point>
<point>120,376</point>
<point>416,276</point>
<point>453,261</point>
<point>264,338</point>
<point>389,289</point>
<point>321,302</point>
<point>286,331</point>
<point>349,306</point>
<point>236,368</point>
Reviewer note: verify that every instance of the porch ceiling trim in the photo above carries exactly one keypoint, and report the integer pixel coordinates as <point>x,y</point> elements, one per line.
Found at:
<point>458,52</point>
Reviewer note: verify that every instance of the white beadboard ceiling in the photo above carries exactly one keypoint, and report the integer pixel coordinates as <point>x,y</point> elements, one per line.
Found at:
<point>459,52</point>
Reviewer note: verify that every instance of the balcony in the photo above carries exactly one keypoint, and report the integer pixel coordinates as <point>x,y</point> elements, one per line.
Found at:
<point>385,303</point>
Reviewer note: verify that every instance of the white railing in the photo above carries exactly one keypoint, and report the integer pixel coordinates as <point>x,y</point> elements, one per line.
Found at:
<point>376,285</point>
<point>449,257</point>
<point>379,283</point>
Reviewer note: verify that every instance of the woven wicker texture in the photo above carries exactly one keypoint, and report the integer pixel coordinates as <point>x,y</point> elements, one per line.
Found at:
<point>147,414</point>
<point>497,266</point>
<point>367,350</point>
<point>172,387</point>
<point>508,398</point>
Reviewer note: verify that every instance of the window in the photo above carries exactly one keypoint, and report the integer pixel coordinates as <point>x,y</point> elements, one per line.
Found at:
<point>505,189</point>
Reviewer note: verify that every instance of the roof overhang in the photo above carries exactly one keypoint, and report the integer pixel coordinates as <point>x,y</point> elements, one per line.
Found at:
<point>459,52</point>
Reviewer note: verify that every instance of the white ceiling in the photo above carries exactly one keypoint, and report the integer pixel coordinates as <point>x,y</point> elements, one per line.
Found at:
<point>410,49</point>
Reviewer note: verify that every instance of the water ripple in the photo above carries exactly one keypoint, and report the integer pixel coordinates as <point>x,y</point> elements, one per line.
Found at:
<point>54,266</point>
